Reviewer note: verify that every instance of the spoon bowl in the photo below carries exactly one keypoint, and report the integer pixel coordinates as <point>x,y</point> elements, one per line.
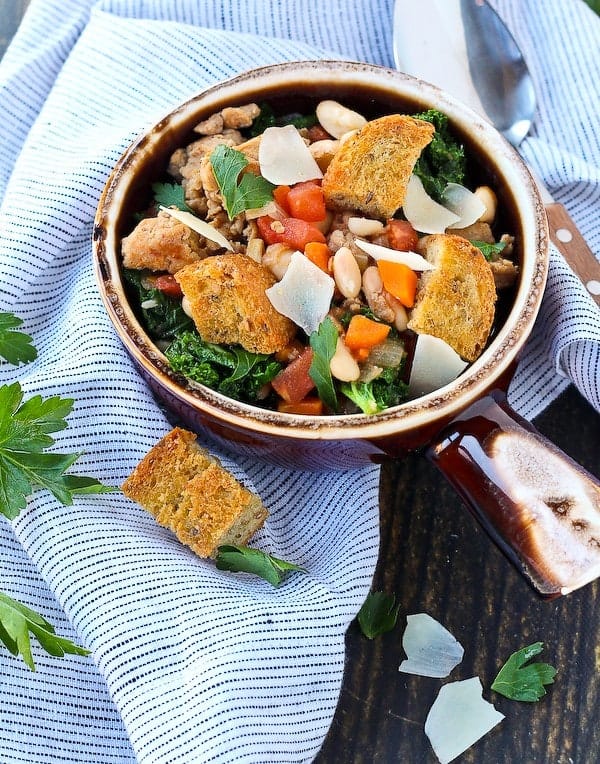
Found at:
<point>465,48</point>
<point>499,71</point>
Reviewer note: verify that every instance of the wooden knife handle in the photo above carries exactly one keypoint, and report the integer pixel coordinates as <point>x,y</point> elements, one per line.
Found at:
<point>565,235</point>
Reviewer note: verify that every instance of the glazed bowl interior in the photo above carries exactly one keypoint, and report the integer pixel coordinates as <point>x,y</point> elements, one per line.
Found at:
<point>372,91</point>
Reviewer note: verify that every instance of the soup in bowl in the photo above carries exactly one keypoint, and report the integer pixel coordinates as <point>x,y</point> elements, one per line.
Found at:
<point>325,264</point>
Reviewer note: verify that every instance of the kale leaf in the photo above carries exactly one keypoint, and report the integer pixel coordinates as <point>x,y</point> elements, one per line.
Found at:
<point>167,318</point>
<point>230,370</point>
<point>381,393</point>
<point>268,118</point>
<point>443,160</point>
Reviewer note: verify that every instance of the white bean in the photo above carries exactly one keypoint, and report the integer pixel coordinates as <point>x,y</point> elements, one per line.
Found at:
<point>489,199</point>
<point>323,152</point>
<point>277,258</point>
<point>364,226</point>
<point>346,272</point>
<point>373,290</point>
<point>185,306</point>
<point>338,119</point>
<point>342,365</point>
<point>256,249</point>
<point>325,224</point>
<point>400,315</point>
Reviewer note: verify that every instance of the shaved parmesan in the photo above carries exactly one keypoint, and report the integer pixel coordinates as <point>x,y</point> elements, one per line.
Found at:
<point>464,203</point>
<point>422,212</point>
<point>284,158</point>
<point>434,364</point>
<point>414,261</point>
<point>304,293</point>
<point>458,718</point>
<point>198,225</point>
<point>430,648</point>
<point>272,209</point>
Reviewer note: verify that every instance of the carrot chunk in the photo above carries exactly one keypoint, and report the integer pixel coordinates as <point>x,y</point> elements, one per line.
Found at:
<point>319,254</point>
<point>399,280</point>
<point>364,333</point>
<point>310,406</point>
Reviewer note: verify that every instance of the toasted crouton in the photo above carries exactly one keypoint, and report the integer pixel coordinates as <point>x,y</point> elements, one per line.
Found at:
<point>227,302</point>
<point>161,243</point>
<point>188,491</point>
<point>456,300</point>
<point>371,169</point>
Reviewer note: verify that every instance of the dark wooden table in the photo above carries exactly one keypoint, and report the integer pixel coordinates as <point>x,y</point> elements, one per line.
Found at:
<point>435,558</point>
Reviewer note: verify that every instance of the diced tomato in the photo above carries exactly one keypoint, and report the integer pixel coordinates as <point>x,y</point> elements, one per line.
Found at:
<point>310,406</point>
<point>307,201</point>
<point>167,285</point>
<point>318,133</point>
<point>402,236</point>
<point>293,382</point>
<point>280,195</point>
<point>296,233</point>
<point>266,231</point>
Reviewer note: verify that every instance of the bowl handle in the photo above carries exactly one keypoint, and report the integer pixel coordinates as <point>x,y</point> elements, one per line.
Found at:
<point>537,504</point>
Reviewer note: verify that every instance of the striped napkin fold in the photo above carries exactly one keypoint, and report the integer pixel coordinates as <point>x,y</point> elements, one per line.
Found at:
<point>189,664</point>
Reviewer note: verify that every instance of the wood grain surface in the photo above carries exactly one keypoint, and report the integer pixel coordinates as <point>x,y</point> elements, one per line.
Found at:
<point>437,560</point>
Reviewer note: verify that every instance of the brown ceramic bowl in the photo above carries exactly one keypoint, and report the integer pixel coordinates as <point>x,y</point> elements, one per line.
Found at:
<point>472,403</point>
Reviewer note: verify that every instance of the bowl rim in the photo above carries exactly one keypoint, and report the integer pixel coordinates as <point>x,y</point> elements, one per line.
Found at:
<point>446,402</point>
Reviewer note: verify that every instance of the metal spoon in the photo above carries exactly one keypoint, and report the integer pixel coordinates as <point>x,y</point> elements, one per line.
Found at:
<point>464,47</point>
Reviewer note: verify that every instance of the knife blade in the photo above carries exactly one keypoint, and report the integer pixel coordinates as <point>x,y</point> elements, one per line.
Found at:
<point>436,41</point>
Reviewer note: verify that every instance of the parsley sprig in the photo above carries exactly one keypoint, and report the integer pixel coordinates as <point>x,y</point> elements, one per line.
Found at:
<point>25,428</point>
<point>248,192</point>
<point>245,559</point>
<point>170,195</point>
<point>323,341</point>
<point>15,346</point>
<point>518,681</point>
<point>378,614</point>
<point>17,622</point>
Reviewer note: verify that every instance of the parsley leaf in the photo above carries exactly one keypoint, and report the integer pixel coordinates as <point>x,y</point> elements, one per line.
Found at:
<point>378,614</point>
<point>170,195</point>
<point>324,342</point>
<point>517,681</point>
<point>15,347</point>
<point>489,251</point>
<point>17,621</point>
<point>252,191</point>
<point>244,559</point>
<point>25,428</point>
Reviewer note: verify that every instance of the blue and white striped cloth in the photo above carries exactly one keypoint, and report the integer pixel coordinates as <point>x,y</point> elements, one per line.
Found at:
<point>189,664</point>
